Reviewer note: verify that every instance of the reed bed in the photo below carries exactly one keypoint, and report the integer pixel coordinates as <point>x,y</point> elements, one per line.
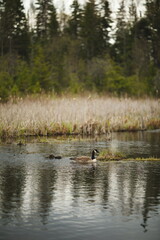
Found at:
<point>47,116</point>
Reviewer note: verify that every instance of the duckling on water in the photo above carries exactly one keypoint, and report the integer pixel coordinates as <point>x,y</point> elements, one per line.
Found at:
<point>86,159</point>
<point>51,156</point>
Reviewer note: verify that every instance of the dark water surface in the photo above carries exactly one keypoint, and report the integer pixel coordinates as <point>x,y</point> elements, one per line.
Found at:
<point>42,198</point>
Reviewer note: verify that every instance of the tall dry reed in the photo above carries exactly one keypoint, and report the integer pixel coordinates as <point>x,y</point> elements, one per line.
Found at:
<point>80,115</point>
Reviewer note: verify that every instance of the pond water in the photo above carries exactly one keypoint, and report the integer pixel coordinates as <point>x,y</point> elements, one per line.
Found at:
<point>41,198</point>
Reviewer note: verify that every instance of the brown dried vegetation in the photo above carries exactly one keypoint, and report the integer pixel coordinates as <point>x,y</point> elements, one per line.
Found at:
<point>48,116</point>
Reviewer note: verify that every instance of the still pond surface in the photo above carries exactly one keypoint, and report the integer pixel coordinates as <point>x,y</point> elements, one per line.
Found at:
<point>41,198</point>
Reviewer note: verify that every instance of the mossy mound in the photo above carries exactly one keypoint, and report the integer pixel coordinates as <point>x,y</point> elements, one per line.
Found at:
<point>107,155</point>
<point>143,159</point>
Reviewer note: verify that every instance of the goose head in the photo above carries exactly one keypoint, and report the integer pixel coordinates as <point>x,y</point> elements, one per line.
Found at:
<point>95,151</point>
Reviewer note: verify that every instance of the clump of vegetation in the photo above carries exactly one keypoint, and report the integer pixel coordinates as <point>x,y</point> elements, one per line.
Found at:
<point>108,155</point>
<point>144,159</point>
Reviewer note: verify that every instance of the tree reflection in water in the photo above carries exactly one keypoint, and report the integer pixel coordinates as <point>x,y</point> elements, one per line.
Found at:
<point>36,191</point>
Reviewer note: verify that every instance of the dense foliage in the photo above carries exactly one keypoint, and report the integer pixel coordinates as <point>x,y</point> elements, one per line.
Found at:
<point>81,51</point>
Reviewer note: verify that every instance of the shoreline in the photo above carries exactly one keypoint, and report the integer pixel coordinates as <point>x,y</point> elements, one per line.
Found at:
<point>24,139</point>
<point>5,136</point>
<point>77,116</point>
<point>66,133</point>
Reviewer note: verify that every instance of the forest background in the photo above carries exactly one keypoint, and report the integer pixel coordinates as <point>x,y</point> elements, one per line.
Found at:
<point>86,50</point>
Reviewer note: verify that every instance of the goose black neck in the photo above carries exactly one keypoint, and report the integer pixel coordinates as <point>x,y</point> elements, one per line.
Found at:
<point>93,154</point>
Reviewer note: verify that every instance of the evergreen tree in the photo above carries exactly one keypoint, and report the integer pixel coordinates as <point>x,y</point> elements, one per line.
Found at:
<point>105,24</point>
<point>121,18</point>
<point>46,20</point>
<point>133,12</point>
<point>1,27</point>
<point>131,38</point>
<point>53,24</point>
<point>153,18</point>
<point>91,30</point>
<point>120,46</point>
<point>74,22</point>
<point>13,27</point>
<point>21,34</point>
<point>141,46</point>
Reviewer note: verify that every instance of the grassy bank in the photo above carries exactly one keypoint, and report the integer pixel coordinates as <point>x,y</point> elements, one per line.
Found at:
<point>46,115</point>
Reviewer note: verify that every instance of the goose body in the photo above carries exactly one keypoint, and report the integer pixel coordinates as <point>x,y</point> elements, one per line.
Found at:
<point>86,159</point>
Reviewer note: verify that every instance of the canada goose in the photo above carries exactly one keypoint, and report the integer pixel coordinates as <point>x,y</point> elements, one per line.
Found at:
<point>85,159</point>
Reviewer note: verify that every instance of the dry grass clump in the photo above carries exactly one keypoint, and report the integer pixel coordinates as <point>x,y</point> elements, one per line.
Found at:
<point>81,115</point>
